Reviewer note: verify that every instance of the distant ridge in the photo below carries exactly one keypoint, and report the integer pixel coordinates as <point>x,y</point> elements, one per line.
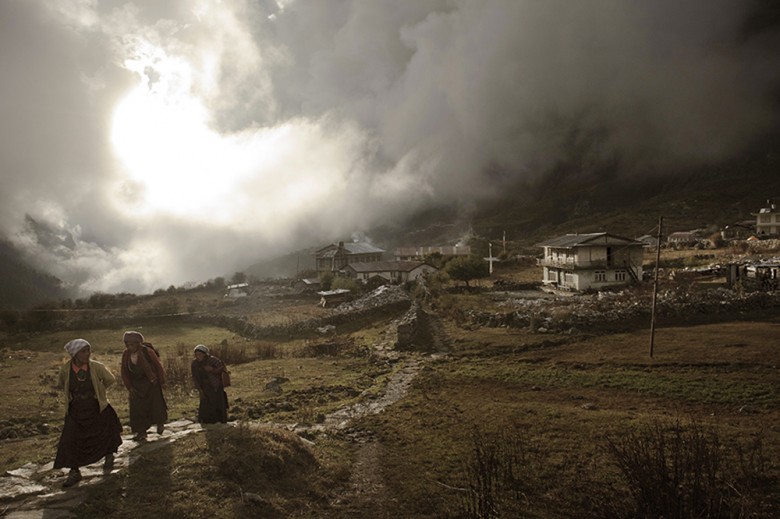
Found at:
<point>23,287</point>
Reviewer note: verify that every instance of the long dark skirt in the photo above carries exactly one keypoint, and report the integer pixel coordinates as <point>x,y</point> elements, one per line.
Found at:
<point>88,434</point>
<point>147,407</point>
<point>213,406</point>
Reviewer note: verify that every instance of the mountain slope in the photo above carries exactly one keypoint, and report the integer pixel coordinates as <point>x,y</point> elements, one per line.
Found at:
<point>21,286</point>
<point>707,197</point>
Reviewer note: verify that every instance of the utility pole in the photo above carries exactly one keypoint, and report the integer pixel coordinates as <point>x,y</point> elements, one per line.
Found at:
<point>655,286</point>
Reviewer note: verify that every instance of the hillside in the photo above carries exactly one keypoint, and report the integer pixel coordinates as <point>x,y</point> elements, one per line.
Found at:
<point>567,200</point>
<point>710,197</point>
<point>21,286</point>
<point>361,421</point>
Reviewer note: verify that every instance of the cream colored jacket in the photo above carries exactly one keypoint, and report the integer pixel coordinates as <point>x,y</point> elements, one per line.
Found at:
<point>102,378</point>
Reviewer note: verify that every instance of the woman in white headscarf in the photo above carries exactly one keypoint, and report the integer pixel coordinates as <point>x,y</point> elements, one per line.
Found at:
<point>92,429</point>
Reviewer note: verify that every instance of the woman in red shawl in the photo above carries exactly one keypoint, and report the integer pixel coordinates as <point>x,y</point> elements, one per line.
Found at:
<point>144,378</point>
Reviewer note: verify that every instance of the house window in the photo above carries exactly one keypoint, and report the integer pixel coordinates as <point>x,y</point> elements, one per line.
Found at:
<point>620,275</point>
<point>601,275</point>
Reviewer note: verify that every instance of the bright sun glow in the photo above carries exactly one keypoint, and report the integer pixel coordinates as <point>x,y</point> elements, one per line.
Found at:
<point>175,163</point>
<point>167,150</point>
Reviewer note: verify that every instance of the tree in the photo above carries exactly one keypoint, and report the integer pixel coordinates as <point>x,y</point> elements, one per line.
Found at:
<point>325,280</point>
<point>435,259</point>
<point>238,277</point>
<point>466,268</point>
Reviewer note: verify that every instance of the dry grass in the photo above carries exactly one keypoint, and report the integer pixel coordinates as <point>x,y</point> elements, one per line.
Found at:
<point>568,396</point>
<point>315,385</point>
<point>565,396</point>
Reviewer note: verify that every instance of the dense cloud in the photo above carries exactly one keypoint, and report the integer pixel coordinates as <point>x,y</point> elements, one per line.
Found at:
<point>168,142</point>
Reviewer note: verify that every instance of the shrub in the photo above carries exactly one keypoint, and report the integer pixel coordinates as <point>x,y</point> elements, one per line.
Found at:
<point>177,370</point>
<point>326,280</point>
<point>680,472</point>
<point>498,475</point>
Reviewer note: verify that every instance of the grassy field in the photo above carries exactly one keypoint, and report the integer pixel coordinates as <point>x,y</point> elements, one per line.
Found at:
<point>508,423</point>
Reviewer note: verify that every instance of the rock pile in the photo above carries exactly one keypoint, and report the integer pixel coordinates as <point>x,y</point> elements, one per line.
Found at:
<point>584,311</point>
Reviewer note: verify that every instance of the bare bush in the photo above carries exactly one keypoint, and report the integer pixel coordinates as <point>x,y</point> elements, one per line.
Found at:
<point>177,371</point>
<point>231,354</point>
<point>680,472</point>
<point>266,351</point>
<point>498,475</point>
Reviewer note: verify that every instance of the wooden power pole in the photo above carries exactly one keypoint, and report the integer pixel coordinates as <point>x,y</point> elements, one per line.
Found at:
<point>655,285</point>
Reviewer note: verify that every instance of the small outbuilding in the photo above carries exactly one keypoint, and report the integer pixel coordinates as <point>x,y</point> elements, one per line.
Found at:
<point>334,297</point>
<point>236,291</point>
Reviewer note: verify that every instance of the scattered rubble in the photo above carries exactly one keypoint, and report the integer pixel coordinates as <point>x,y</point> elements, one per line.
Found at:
<point>584,311</point>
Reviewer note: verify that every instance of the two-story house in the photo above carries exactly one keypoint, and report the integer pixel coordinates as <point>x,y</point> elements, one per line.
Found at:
<point>333,258</point>
<point>767,220</point>
<point>591,261</point>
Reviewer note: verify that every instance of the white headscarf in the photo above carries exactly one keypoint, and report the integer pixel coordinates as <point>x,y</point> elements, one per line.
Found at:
<point>202,348</point>
<point>76,345</point>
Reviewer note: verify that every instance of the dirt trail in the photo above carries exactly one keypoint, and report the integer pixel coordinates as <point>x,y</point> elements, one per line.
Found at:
<point>366,494</point>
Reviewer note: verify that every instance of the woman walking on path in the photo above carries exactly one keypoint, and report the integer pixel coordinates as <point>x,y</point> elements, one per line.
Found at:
<point>92,429</point>
<point>207,376</point>
<point>144,378</point>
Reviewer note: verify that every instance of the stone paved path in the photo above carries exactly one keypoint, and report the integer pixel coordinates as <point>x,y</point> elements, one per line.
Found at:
<point>35,491</point>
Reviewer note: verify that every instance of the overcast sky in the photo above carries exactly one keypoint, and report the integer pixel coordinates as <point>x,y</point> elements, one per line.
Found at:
<point>149,143</point>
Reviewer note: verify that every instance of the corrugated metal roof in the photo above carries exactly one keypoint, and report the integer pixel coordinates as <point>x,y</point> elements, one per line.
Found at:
<point>445,250</point>
<point>361,248</point>
<point>351,248</point>
<point>334,292</point>
<point>570,241</point>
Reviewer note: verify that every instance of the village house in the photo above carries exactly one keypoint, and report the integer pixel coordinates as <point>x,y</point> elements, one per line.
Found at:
<point>648,241</point>
<point>419,253</point>
<point>739,231</point>
<point>236,291</point>
<point>765,273</point>
<point>682,239</point>
<point>333,258</point>
<point>591,261</point>
<point>767,220</point>
<point>390,271</point>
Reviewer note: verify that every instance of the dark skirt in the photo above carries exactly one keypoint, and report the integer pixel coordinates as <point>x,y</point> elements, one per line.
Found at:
<point>147,406</point>
<point>88,434</point>
<point>213,406</point>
